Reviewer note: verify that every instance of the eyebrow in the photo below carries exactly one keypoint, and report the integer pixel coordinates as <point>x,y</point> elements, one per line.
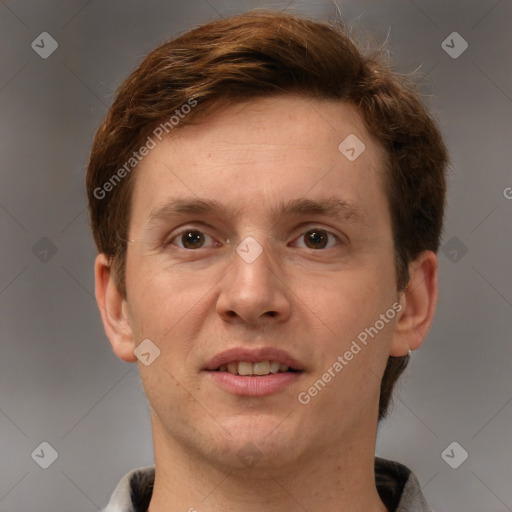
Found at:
<point>334,207</point>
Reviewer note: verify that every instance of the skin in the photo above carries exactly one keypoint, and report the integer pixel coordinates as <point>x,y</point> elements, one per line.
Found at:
<point>311,302</point>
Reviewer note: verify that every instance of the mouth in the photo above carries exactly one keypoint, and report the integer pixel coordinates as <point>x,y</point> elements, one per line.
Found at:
<point>255,372</point>
<point>253,361</point>
<point>258,368</point>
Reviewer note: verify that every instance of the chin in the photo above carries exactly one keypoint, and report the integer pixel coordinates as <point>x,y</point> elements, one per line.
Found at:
<point>261,440</point>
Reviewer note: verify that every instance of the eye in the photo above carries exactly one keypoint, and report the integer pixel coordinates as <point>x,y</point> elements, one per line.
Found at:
<point>192,239</point>
<point>318,239</point>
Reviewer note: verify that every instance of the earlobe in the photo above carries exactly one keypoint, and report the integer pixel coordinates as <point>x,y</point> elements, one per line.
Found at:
<point>114,310</point>
<point>418,302</point>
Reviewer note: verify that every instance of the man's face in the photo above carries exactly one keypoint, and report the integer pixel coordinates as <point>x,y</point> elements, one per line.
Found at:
<point>198,285</point>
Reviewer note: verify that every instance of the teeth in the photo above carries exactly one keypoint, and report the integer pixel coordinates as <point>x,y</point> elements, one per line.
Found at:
<point>233,368</point>
<point>259,368</point>
<point>245,368</point>
<point>274,366</point>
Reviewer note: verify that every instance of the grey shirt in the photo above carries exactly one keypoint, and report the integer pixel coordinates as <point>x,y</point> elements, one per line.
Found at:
<point>397,486</point>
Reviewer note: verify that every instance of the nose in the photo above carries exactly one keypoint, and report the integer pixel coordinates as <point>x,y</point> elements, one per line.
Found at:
<point>254,291</point>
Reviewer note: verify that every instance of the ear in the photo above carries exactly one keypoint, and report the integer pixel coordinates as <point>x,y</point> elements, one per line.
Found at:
<point>114,310</point>
<point>418,302</point>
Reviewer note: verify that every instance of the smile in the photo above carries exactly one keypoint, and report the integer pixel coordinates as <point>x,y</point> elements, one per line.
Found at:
<point>251,371</point>
<point>248,368</point>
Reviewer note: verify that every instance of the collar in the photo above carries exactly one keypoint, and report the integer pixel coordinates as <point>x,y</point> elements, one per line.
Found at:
<point>397,486</point>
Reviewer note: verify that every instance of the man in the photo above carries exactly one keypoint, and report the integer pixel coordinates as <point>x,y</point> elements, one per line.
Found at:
<point>267,205</point>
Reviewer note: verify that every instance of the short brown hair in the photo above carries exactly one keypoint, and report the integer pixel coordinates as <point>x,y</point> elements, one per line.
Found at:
<point>264,53</point>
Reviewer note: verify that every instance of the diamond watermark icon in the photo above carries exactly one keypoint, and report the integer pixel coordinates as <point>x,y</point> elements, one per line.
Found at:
<point>454,455</point>
<point>249,249</point>
<point>454,45</point>
<point>351,147</point>
<point>45,455</point>
<point>454,249</point>
<point>44,249</point>
<point>146,352</point>
<point>44,45</point>
<point>249,455</point>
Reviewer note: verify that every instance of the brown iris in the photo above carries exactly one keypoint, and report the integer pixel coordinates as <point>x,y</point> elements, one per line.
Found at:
<point>316,239</point>
<point>192,239</point>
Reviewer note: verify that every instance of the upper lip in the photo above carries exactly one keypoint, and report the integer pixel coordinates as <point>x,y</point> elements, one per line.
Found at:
<point>253,355</point>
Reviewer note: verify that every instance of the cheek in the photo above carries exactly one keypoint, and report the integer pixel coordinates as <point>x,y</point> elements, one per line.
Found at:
<point>345,309</point>
<point>156,291</point>
<point>352,346</point>
<point>170,307</point>
<point>345,301</point>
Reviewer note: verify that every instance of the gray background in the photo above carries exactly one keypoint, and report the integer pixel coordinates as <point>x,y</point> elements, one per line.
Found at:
<point>60,381</point>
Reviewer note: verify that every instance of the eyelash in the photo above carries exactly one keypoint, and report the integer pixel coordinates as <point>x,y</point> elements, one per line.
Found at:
<point>189,230</point>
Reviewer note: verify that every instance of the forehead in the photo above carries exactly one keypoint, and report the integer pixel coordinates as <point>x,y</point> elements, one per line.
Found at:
<point>255,156</point>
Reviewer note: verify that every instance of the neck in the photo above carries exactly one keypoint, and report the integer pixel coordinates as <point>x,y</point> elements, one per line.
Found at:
<point>331,479</point>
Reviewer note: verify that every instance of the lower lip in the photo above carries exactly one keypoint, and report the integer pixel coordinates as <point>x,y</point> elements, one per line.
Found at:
<point>255,386</point>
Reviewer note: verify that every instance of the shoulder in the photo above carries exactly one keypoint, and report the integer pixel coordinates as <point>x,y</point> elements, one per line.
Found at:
<point>398,487</point>
<point>133,492</point>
